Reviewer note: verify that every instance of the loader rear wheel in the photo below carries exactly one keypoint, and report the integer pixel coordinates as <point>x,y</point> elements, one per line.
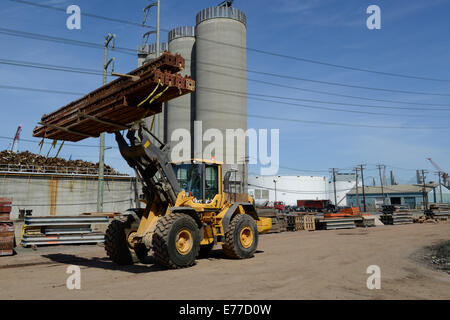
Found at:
<point>241,238</point>
<point>118,244</point>
<point>176,241</point>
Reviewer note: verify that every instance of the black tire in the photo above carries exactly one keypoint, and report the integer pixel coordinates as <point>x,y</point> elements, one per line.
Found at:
<point>233,246</point>
<point>205,250</point>
<point>116,245</point>
<point>164,241</point>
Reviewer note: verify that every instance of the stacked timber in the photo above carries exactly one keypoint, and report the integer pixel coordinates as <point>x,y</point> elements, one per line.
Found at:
<point>6,228</point>
<point>394,215</point>
<point>119,104</point>
<point>62,230</point>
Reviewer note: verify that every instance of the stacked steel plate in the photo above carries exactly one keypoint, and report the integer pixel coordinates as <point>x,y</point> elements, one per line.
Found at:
<point>440,210</point>
<point>338,223</point>
<point>6,228</point>
<point>62,230</point>
<point>118,104</point>
<point>396,215</point>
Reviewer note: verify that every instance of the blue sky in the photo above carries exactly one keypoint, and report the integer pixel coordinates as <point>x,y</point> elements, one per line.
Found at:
<point>413,40</point>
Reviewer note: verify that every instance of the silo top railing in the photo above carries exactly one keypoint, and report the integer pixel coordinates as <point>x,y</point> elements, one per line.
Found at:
<point>221,12</point>
<point>186,31</point>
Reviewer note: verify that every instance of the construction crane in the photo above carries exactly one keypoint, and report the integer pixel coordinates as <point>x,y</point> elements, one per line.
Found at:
<point>15,143</point>
<point>444,174</point>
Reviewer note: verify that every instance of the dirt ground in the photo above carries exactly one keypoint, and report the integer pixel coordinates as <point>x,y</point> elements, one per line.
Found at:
<point>289,265</point>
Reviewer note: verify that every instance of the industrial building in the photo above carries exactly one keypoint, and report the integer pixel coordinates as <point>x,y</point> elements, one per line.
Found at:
<point>289,189</point>
<point>408,195</point>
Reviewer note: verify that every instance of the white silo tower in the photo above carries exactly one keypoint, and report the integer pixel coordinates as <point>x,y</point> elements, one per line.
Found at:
<point>221,64</point>
<point>179,111</point>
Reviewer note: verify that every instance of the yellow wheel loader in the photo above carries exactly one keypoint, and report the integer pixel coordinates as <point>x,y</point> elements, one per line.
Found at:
<point>189,209</point>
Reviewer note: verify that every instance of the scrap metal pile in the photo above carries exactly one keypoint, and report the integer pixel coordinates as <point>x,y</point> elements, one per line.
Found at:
<point>118,104</point>
<point>31,162</point>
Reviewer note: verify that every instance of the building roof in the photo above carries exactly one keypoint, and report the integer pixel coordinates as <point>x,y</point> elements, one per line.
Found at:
<point>394,189</point>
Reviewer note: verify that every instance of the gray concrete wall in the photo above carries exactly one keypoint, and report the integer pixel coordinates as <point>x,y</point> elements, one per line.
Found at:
<point>50,195</point>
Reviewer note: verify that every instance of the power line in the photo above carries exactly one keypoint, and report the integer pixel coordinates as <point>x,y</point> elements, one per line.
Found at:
<point>315,122</point>
<point>49,67</point>
<point>265,52</point>
<point>235,93</point>
<point>90,71</point>
<point>36,36</point>
<point>332,102</point>
<point>132,52</point>
<point>318,107</point>
<point>95,16</point>
<point>41,90</point>
<point>98,72</point>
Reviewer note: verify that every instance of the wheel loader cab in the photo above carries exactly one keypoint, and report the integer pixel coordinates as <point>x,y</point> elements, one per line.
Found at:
<point>200,179</point>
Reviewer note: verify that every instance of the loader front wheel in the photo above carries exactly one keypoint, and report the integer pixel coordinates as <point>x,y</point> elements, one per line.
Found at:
<point>118,244</point>
<point>241,238</point>
<point>176,241</point>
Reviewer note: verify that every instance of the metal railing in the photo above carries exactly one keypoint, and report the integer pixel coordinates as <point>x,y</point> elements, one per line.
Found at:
<point>56,170</point>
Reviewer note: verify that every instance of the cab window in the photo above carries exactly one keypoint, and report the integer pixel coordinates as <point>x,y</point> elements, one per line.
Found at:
<point>212,181</point>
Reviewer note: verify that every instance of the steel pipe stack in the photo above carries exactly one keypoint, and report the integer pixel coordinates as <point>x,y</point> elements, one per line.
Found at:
<point>62,230</point>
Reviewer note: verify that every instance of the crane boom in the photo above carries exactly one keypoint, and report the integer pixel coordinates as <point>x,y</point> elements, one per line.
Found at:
<point>444,174</point>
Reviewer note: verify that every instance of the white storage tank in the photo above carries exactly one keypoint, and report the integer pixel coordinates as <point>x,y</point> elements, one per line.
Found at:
<point>221,65</point>
<point>178,111</point>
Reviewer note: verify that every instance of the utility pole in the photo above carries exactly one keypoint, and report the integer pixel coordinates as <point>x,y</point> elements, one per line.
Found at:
<point>425,196</point>
<point>101,161</point>
<point>334,186</point>
<point>440,187</point>
<point>381,182</point>
<point>275,182</point>
<point>157,122</point>
<point>363,191</point>
<point>357,191</point>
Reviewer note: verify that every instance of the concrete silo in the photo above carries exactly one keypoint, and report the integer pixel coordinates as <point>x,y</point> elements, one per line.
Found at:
<point>178,111</point>
<point>220,65</point>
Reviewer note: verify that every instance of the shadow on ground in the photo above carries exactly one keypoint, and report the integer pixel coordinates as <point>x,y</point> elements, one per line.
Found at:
<point>105,263</point>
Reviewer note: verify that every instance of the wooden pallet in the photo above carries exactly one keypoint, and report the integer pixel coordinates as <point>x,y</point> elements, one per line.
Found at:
<point>308,223</point>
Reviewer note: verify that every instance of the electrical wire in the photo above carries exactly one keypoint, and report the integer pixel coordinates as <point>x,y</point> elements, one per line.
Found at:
<point>243,94</point>
<point>319,107</point>
<point>133,52</point>
<point>265,52</point>
<point>36,36</point>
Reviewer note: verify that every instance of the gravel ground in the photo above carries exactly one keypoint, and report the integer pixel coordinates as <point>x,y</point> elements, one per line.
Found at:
<point>290,265</point>
<point>437,256</point>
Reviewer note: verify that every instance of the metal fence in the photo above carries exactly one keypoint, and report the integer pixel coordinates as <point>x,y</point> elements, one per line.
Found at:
<point>56,170</point>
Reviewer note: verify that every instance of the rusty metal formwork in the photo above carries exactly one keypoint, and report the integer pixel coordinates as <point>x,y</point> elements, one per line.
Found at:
<point>115,106</point>
<point>6,228</point>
